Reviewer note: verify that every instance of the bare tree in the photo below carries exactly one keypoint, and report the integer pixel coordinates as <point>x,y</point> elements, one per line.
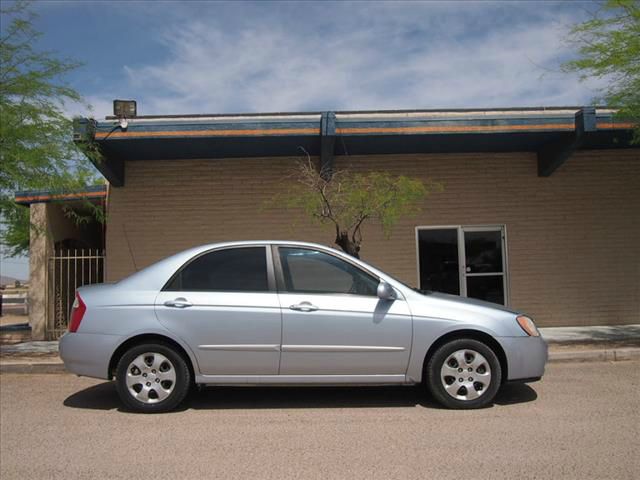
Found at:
<point>348,199</point>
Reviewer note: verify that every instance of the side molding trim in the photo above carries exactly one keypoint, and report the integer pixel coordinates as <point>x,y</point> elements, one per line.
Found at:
<point>242,348</point>
<point>340,348</point>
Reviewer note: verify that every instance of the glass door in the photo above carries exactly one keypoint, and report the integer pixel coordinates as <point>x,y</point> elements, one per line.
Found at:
<point>463,260</point>
<point>484,265</point>
<point>439,260</point>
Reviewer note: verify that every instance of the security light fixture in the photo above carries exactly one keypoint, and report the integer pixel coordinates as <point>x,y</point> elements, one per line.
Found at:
<point>125,108</point>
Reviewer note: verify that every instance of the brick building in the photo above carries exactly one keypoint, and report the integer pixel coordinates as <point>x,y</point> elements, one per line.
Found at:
<point>540,209</point>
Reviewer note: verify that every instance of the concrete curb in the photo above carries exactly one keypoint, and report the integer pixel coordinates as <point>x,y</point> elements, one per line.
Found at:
<point>33,367</point>
<point>595,355</point>
<point>591,355</point>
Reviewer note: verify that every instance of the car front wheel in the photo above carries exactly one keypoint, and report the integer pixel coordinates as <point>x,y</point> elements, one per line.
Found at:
<point>464,373</point>
<point>152,378</point>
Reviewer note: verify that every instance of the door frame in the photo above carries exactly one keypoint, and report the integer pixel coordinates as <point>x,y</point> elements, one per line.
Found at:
<point>462,274</point>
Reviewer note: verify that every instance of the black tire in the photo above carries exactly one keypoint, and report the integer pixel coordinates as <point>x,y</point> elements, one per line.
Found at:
<point>178,389</point>
<point>435,381</point>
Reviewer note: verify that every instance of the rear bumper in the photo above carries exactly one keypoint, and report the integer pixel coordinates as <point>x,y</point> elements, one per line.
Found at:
<point>88,354</point>
<point>526,357</point>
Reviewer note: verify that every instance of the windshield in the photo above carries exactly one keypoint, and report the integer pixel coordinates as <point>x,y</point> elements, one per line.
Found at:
<point>415,289</point>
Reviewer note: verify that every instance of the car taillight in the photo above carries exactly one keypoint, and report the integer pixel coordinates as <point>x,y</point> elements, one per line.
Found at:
<point>77,312</point>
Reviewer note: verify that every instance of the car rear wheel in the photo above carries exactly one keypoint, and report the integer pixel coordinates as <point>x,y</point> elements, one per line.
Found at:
<point>152,378</point>
<point>464,373</point>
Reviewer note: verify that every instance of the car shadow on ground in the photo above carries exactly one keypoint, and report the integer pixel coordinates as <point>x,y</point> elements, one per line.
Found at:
<point>104,397</point>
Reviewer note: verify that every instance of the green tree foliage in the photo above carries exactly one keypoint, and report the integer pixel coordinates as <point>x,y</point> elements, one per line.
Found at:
<point>609,48</point>
<point>347,200</point>
<point>36,147</point>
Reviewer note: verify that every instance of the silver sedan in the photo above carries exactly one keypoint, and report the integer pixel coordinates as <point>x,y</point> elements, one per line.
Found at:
<point>282,313</point>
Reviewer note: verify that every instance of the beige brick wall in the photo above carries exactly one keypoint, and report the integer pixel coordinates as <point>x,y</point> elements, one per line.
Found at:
<point>572,239</point>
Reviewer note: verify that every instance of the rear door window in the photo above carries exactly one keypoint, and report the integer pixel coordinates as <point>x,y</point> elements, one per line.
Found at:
<point>228,270</point>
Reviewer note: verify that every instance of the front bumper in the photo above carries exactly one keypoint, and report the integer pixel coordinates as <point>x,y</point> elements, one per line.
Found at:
<point>526,357</point>
<point>88,354</point>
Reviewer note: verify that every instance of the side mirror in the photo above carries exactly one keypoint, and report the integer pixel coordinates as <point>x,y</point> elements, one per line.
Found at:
<point>386,291</point>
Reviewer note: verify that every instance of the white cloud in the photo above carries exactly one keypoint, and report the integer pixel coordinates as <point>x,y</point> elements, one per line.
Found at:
<point>361,56</point>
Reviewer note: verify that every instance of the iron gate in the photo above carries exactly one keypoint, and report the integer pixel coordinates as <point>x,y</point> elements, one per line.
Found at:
<point>69,269</point>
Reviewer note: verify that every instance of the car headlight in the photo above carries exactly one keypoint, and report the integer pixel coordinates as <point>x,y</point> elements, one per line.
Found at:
<point>527,325</point>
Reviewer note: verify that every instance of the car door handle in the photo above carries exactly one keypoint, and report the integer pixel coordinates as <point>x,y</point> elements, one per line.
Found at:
<point>304,307</point>
<point>178,303</point>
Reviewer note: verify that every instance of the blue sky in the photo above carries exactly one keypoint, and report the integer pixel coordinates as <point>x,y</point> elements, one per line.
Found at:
<point>218,57</point>
<point>209,57</point>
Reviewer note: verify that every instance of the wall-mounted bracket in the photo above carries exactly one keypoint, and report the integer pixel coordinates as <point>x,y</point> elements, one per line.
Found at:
<point>327,143</point>
<point>554,154</point>
<point>112,170</point>
<point>84,131</point>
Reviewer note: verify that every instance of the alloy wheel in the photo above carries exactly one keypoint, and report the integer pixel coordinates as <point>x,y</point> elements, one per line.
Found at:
<point>151,378</point>
<point>465,374</point>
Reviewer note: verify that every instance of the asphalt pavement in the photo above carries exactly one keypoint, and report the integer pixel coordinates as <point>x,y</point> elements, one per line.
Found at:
<point>581,421</point>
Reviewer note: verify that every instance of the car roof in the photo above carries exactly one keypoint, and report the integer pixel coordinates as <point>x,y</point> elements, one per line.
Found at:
<point>155,276</point>
<point>263,242</point>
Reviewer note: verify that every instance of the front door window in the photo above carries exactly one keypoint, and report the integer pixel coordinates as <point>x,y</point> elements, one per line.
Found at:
<point>467,261</point>
<point>312,271</point>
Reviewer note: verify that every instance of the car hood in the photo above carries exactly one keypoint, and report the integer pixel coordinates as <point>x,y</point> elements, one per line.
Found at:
<point>467,301</point>
<point>464,312</point>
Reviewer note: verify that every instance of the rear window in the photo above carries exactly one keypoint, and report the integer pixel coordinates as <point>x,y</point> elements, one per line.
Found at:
<point>229,270</point>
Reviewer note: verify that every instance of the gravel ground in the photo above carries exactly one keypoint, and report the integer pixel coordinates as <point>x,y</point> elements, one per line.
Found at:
<point>582,421</point>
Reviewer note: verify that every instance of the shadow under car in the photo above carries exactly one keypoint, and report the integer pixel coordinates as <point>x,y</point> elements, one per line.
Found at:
<point>104,397</point>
